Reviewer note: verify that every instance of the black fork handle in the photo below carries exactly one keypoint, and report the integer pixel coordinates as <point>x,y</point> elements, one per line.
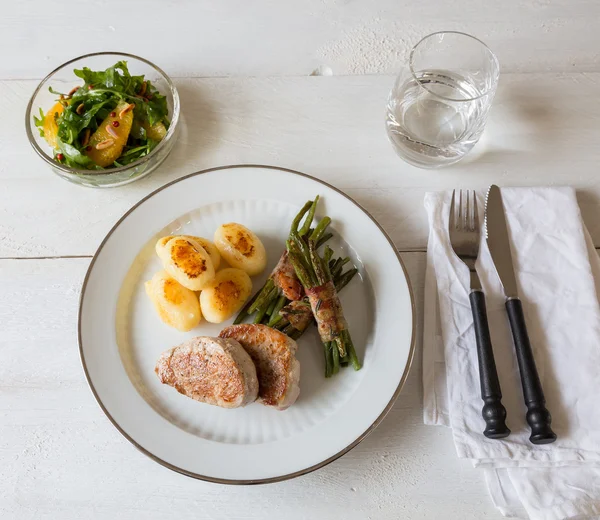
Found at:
<point>493,412</point>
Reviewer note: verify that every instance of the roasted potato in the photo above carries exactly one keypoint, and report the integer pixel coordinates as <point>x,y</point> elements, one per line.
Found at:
<point>241,248</point>
<point>188,262</point>
<point>176,306</point>
<point>210,248</point>
<point>225,295</point>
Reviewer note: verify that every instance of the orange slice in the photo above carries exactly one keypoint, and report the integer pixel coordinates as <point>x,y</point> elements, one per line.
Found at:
<point>107,143</point>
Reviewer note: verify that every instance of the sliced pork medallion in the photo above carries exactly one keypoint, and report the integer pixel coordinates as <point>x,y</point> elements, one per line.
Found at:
<point>215,371</point>
<point>274,355</point>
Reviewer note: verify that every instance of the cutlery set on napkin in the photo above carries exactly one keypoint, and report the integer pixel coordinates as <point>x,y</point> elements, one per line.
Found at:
<point>491,372</point>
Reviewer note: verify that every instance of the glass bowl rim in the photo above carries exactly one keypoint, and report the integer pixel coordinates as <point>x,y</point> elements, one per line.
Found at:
<point>489,51</point>
<point>111,171</point>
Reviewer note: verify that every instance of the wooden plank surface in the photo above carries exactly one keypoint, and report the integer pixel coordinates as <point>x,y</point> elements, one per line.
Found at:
<point>544,129</point>
<point>266,37</point>
<point>61,457</point>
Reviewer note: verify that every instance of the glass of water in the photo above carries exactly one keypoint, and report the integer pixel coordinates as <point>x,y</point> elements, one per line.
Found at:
<point>439,104</point>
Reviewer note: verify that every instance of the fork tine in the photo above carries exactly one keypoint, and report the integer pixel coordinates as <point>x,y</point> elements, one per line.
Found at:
<point>452,223</point>
<point>465,208</point>
<point>472,213</point>
<point>460,211</point>
<point>475,213</point>
<point>468,211</point>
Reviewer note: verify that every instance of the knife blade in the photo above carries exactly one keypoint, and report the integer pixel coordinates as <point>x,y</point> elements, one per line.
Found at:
<point>496,231</point>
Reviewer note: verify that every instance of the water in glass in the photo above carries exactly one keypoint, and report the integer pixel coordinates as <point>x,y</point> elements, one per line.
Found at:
<point>437,126</point>
<point>435,115</point>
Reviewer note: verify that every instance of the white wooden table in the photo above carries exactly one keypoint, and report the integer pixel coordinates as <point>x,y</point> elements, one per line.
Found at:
<point>257,102</point>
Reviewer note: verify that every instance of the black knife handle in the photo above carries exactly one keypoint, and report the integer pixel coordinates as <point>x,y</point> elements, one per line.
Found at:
<point>538,417</point>
<point>493,412</point>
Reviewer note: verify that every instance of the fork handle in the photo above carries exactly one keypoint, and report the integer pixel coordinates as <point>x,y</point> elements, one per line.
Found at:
<point>493,412</point>
<point>538,417</point>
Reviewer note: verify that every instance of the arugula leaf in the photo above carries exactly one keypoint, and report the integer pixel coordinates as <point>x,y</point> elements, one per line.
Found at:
<point>157,104</point>
<point>74,158</point>
<point>89,76</point>
<point>115,78</point>
<point>133,154</point>
<point>39,122</point>
<point>70,123</point>
<point>155,109</point>
<point>52,91</point>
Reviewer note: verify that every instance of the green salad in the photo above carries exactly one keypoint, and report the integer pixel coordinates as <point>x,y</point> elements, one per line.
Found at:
<point>112,120</point>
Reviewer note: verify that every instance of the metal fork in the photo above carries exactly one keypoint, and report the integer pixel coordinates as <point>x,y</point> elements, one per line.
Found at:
<point>465,238</point>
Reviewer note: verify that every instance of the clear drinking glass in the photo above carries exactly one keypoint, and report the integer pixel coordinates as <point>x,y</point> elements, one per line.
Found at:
<point>439,104</point>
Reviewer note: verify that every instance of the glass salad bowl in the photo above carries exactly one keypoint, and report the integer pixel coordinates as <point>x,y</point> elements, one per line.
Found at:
<point>135,161</point>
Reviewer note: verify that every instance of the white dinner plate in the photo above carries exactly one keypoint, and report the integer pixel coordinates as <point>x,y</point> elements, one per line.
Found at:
<point>121,337</point>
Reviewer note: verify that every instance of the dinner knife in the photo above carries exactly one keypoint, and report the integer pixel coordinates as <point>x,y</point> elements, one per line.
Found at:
<point>538,417</point>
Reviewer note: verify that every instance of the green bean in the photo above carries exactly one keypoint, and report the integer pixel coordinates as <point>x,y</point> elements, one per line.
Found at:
<point>260,313</point>
<point>269,284</point>
<point>341,345</point>
<point>326,259</point>
<point>336,265</point>
<point>298,217</point>
<point>295,334</point>
<point>271,307</point>
<point>288,329</point>
<point>320,229</point>
<point>303,274</point>
<point>309,218</point>
<point>266,301</point>
<point>244,312</point>
<point>337,270</point>
<point>294,249</point>
<point>328,359</point>
<point>274,320</point>
<point>301,246</point>
<point>351,352</point>
<point>323,239</point>
<point>336,359</point>
<point>261,310</point>
<point>344,279</point>
<point>281,324</point>
<point>275,316</point>
<point>317,264</point>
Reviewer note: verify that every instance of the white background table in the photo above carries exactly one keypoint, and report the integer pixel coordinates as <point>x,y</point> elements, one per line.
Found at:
<point>300,85</point>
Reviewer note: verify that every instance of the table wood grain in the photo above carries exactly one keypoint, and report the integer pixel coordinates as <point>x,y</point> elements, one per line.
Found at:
<point>332,128</point>
<point>200,38</point>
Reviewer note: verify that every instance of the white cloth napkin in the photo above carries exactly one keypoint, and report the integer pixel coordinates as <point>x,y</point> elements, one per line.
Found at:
<point>557,272</point>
